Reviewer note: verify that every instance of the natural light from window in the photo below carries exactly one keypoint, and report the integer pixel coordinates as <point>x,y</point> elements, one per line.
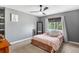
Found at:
<point>55,25</point>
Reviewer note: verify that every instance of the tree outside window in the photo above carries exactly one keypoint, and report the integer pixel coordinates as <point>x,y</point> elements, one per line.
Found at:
<point>55,25</point>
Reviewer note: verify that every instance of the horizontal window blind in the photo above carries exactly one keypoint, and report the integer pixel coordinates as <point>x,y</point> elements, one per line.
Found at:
<point>58,19</point>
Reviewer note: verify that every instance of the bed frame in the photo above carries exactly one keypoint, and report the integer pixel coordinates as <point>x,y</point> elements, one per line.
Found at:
<point>42,46</point>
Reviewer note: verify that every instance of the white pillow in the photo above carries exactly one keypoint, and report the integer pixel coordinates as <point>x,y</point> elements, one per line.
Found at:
<point>54,33</point>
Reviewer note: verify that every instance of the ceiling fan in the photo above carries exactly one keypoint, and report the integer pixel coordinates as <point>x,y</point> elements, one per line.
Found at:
<point>41,10</point>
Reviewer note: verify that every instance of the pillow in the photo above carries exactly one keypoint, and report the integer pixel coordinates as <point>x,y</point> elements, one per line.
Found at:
<point>54,33</point>
<point>60,36</point>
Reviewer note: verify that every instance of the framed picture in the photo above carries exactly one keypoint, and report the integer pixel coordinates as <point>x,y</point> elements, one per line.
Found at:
<point>14,18</point>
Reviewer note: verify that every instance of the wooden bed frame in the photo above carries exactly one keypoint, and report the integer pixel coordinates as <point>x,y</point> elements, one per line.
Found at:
<point>42,46</point>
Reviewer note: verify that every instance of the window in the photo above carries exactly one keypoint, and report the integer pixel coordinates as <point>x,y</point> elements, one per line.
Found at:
<point>55,23</point>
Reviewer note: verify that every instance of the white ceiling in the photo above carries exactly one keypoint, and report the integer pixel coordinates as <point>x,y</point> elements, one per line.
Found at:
<point>53,9</point>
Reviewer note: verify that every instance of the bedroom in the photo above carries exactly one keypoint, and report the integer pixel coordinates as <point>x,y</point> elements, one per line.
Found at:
<point>27,24</point>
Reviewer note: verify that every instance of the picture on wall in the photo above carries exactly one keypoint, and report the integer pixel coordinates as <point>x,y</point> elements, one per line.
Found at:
<point>14,17</point>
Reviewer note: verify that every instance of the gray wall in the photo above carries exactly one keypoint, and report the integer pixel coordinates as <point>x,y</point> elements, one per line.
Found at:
<point>72,24</point>
<point>18,30</point>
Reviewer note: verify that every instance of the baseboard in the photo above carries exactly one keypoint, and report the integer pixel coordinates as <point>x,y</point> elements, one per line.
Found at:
<point>73,42</point>
<point>19,43</point>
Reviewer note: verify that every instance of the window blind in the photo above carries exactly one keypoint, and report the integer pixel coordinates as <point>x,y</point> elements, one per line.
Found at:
<point>58,19</point>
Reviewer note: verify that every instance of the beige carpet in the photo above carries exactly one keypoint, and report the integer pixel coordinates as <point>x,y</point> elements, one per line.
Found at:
<point>69,48</point>
<point>28,49</point>
<point>65,48</point>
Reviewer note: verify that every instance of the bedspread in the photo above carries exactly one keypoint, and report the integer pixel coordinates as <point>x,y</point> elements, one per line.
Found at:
<point>55,42</point>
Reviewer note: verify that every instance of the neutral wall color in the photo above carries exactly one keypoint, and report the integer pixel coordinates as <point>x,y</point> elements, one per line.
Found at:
<point>71,19</point>
<point>19,30</point>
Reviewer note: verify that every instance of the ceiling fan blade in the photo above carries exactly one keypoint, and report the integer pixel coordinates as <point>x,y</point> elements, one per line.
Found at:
<point>43,13</point>
<point>45,8</point>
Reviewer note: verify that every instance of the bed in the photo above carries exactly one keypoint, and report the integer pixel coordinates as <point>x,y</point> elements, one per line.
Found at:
<point>47,43</point>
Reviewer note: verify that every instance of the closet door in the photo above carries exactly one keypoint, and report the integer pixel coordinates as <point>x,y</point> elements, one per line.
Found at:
<point>39,27</point>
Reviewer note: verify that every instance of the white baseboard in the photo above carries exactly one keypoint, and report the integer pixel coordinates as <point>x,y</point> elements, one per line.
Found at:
<point>74,42</point>
<point>20,43</point>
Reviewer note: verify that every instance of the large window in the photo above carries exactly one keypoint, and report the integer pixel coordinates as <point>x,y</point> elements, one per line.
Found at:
<point>55,23</point>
